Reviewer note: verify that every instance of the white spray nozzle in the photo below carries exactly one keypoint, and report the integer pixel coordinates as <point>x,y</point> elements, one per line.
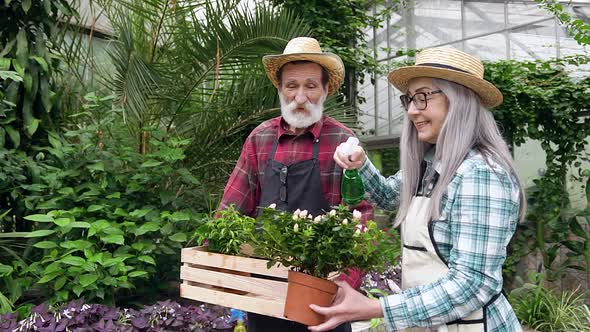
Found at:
<point>349,145</point>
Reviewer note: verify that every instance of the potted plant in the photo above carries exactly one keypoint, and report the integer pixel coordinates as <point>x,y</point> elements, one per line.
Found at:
<point>317,247</point>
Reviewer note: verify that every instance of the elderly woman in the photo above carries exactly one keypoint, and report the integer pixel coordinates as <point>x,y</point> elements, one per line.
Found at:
<point>458,197</point>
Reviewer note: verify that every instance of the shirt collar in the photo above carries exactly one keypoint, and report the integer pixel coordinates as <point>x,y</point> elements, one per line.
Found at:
<point>429,158</point>
<point>314,129</point>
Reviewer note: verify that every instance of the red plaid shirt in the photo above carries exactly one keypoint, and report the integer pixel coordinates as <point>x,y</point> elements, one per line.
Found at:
<point>243,187</point>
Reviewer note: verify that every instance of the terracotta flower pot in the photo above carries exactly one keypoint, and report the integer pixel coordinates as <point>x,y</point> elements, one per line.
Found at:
<point>304,290</point>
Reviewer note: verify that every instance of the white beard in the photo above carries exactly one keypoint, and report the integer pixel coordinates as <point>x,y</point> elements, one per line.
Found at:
<point>302,119</point>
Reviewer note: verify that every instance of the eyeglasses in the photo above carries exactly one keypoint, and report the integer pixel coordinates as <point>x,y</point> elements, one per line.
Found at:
<point>283,178</point>
<point>419,99</point>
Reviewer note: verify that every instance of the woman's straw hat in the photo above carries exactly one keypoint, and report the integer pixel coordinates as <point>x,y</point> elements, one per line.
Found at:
<point>452,65</point>
<point>306,49</point>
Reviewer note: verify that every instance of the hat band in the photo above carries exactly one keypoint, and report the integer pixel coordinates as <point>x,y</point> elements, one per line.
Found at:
<point>438,65</point>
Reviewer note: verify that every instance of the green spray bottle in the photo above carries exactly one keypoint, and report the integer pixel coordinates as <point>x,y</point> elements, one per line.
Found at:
<point>351,187</point>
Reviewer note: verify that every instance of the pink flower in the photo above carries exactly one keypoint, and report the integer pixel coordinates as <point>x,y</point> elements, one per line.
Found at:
<point>356,214</point>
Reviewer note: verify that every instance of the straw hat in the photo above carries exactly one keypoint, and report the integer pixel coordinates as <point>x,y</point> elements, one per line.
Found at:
<point>306,49</point>
<point>452,65</point>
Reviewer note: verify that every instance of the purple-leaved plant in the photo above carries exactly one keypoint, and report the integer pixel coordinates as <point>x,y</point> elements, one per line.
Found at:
<point>81,317</point>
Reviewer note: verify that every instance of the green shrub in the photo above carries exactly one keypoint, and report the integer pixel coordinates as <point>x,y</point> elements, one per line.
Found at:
<point>107,217</point>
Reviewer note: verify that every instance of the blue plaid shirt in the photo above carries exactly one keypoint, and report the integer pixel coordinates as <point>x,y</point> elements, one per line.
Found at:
<point>479,214</point>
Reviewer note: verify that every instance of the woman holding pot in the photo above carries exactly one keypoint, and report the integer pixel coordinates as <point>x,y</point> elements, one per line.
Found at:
<point>458,197</point>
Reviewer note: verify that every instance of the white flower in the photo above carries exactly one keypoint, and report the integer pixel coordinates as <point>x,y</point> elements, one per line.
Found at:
<point>345,221</point>
<point>309,216</point>
<point>357,232</point>
<point>295,216</point>
<point>296,228</point>
<point>356,214</point>
<point>303,214</point>
<point>67,313</point>
<point>297,212</point>
<point>273,206</point>
<point>332,212</point>
<point>317,219</point>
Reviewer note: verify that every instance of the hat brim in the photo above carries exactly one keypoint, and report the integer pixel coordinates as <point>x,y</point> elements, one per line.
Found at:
<point>490,95</point>
<point>331,62</point>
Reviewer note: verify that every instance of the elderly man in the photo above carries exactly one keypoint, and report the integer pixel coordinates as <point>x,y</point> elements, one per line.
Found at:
<point>288,160</point>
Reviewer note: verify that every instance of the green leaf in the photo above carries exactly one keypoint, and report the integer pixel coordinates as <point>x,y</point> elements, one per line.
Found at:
<point>147,259</point>
<point>93,208</point>
<point>26,4</point>
<point>40,233</point>
<point>45,245</point>
<point>113,238</point>
<point>4,66</point>
<point>14,136</point>
<point>178,237</point>
<point>5,270</point>
<point>80,224</point>
<point>114,195</point>
<point>62,222</point>
<point>28,82</point>
<point>88,279</point>
<point>5,305</point>
<point>47,6</point>
<point>39,218</point>
<point>140,212</point>
<point>48,277</point>
<point>9,45</point>
<point>46,93</point>
<point>73,260</point>
<point>41,62</point>
<point>77,244</point>
<point>53,267</point>
<point>10,75</point>
<point>151,226</point>
<point>113,261</point>
<point>151,163</point>
<point>22,49</point>
<point>99,166</point>
<point>180,216</point>
<point>78,289</point>
<point>577,229</point>
<point>120,212</point>
<point>59,283</point>
<point>135,274</point>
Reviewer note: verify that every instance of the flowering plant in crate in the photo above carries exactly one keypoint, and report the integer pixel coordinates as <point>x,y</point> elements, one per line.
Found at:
<point>320,245</point>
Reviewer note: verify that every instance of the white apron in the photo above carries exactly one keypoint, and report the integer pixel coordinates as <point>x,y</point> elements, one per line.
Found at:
<point>422,265</point>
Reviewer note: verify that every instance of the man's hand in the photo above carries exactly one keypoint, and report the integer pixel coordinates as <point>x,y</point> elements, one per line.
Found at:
<point>348,305</point>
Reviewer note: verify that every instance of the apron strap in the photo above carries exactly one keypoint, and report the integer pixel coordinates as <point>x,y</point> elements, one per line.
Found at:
<point>316,148</point>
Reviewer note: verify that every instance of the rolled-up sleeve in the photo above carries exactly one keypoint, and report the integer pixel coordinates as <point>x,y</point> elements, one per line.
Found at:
<point>384,191</point>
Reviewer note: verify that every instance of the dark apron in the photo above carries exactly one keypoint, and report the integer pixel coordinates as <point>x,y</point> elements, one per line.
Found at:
<point>297,186</point>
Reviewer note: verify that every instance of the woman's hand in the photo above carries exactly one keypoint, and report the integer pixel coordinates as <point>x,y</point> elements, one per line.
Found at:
<point>348,305</point>
<point>355,160</point>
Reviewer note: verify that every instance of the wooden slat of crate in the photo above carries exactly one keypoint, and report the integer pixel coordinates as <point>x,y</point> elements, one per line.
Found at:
<point>200,256</point>
<point>250,284</point>
<point>248,302</point>
<point>203,274</point>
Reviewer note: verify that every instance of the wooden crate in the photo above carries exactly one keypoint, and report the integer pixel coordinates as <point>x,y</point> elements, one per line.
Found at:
<point>236,282</point>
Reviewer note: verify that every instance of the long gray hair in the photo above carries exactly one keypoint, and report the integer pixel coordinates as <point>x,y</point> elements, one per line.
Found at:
<point>468,125</point>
